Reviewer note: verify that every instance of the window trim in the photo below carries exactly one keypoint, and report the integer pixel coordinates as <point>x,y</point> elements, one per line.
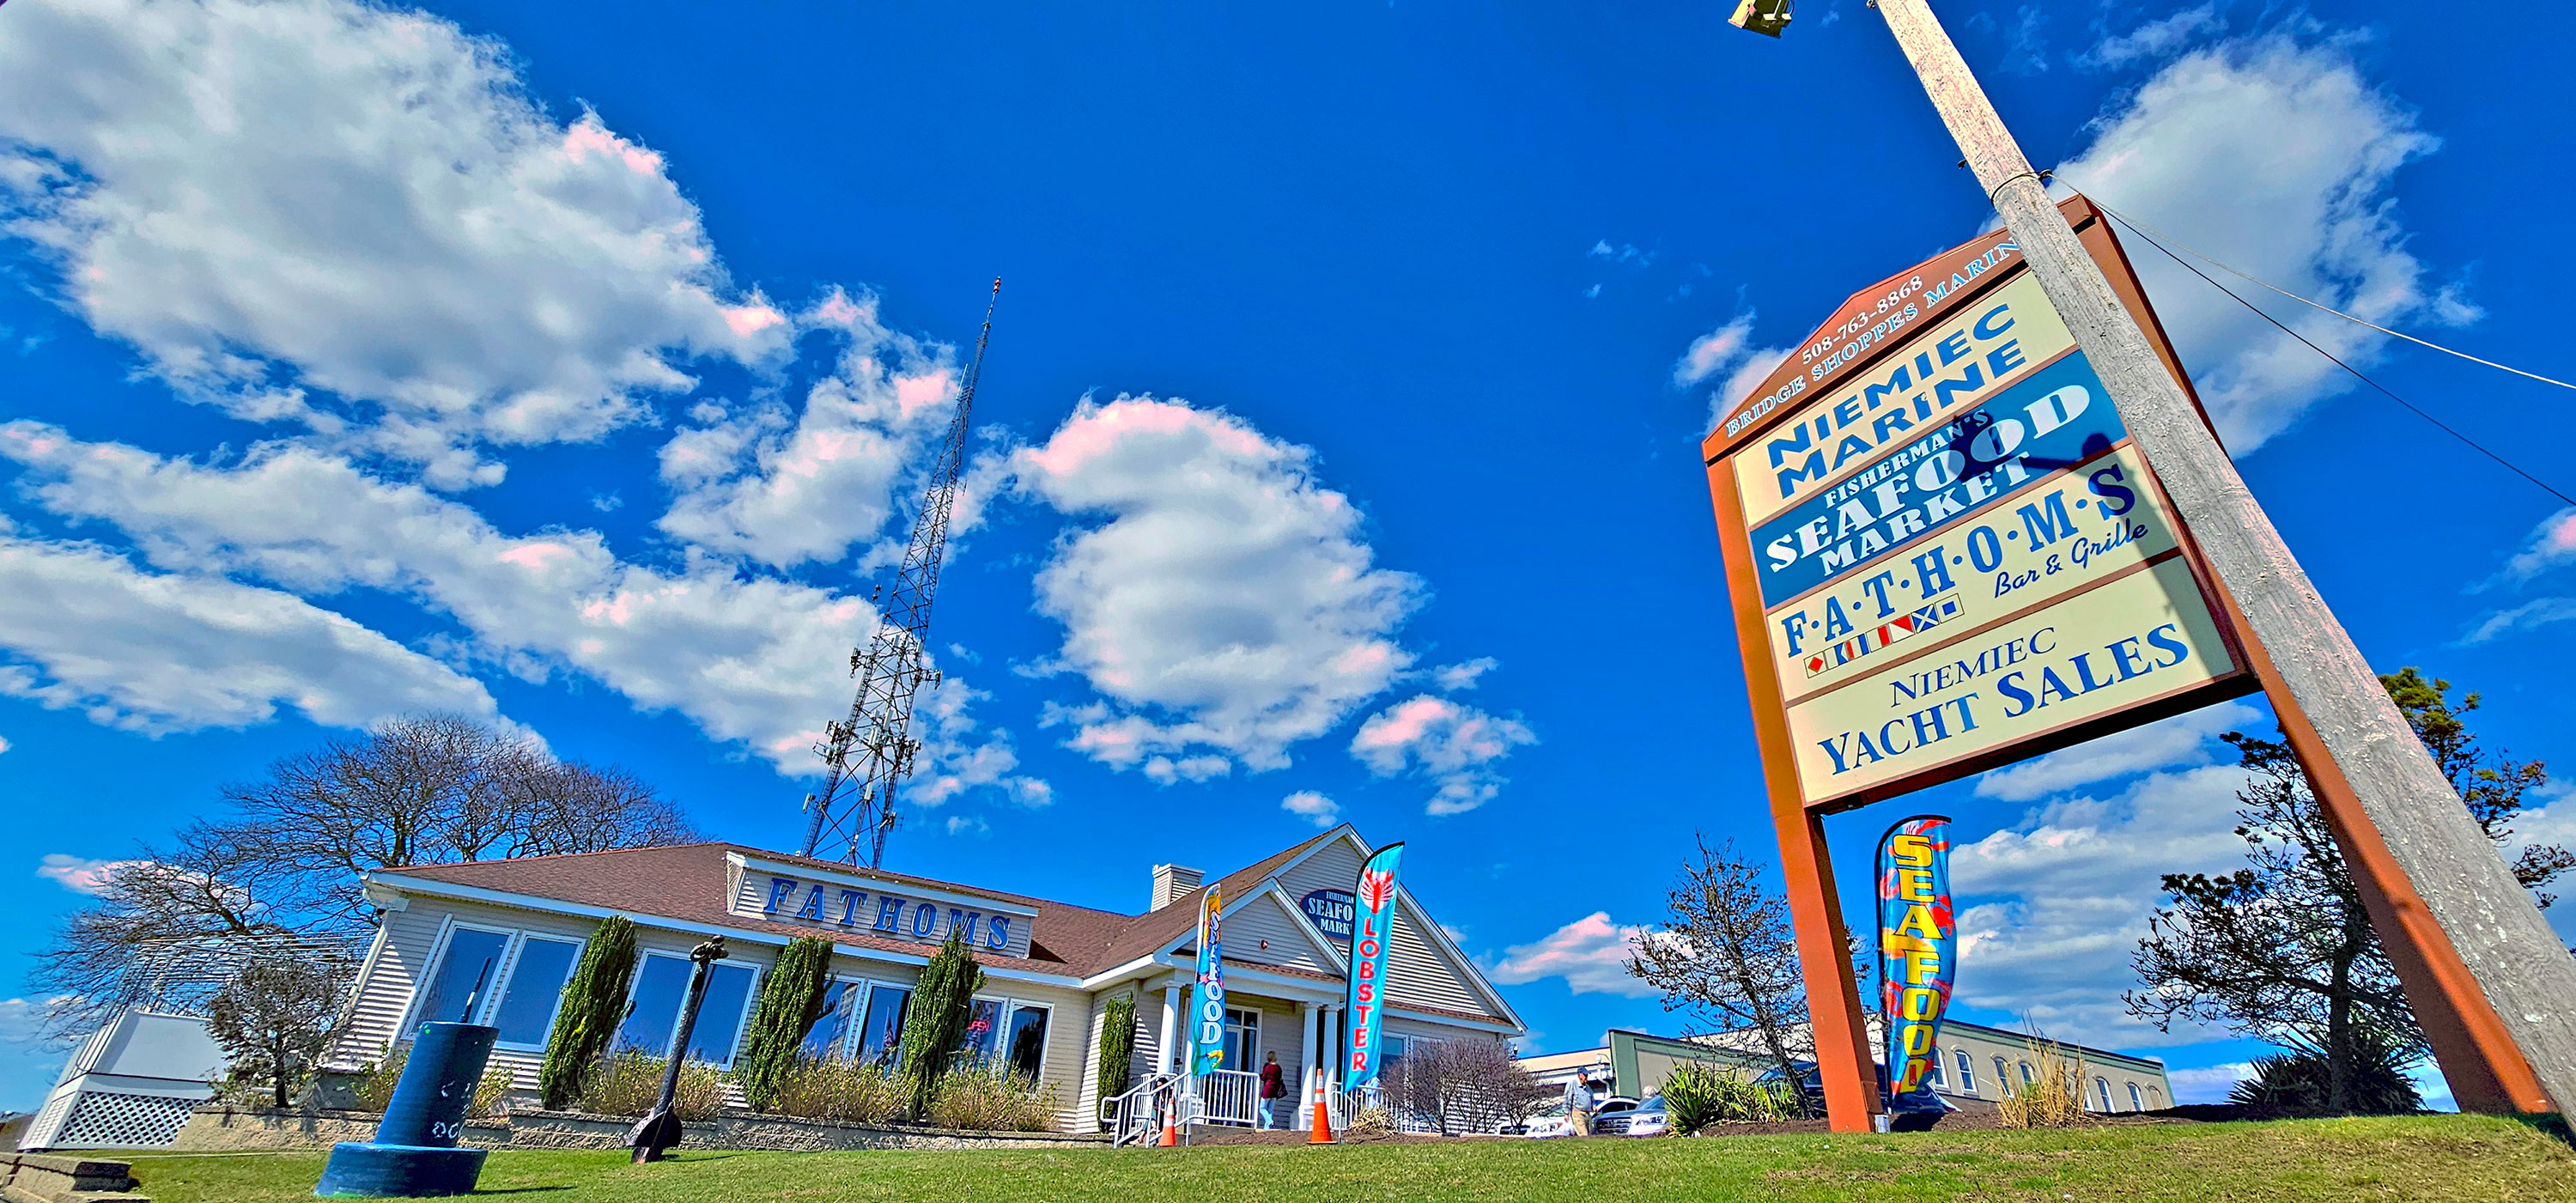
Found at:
<point>2137,1101</point>
<point>510,977</point>
<point>2102,1087</point>
<point>1940,1078</point>
<point>1967,1069</point>
<point>858,1052</point>
<point>409,1029</point>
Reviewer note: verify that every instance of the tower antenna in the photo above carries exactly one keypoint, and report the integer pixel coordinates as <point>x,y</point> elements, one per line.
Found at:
<point>870,753</point>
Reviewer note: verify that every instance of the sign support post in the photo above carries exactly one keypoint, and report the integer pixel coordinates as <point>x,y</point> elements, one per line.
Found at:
<point>2487,978</point>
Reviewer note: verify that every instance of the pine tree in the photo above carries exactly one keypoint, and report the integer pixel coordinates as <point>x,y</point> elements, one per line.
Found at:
<point>934,1026</point>
<point>2283,949</point>
<point>790,1001</point>
<point>594,1004</point>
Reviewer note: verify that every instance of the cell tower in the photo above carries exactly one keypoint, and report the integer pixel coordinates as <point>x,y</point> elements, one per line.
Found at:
<point>870,753</point>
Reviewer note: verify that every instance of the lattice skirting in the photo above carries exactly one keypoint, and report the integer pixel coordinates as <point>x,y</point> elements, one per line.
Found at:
<point>102,1120</point>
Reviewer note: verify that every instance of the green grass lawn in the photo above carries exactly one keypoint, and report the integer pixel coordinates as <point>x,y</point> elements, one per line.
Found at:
<point>2343,1161</point>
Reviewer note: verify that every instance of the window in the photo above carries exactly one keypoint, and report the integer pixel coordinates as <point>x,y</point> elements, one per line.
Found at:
<point>2103,1088</point>
<point>829,1038</point>
<point>2027,1077</point>
<point>983,1028</point>
<point>2135,1103</point>
<point>1938,1078</point>
<point>720,1016</point>
<point>534,991</point>
<point>1027,1048</point>
<point>1967,1069</point>
<point>2156,1096</point>
<point>661,984</point>
<point>1242,1039</point>
<point>459,985</point>
<point>881,1037</point>
<point>2003,1081</point>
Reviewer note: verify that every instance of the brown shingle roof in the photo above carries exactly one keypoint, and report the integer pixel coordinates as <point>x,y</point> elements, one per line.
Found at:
<point>687,883</point>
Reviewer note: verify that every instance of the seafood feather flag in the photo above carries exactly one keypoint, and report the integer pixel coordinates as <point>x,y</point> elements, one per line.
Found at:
<point>1207,1000</point>
<point>1372,909</point>
<point>1918,944</point>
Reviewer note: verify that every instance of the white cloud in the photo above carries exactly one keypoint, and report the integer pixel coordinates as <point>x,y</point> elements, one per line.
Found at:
<point>1727,351</point>
<point>2552,544</point>
<point>1453,677</point>
<point>785,490</point>
<point>747,659</point>
<point>1227,607</point>
<point>2051,909</point>
<point>2275,155</point>
<point>22,1021</point>
<point>2208,1084</point>
<point>1591,954</point>
<point>81,628</point>
<point>2155,39</point>
<point>2528,616</point>
<point>4,744</point>
<point>2183,741</point>
<point>79,874</point>
<point>1454,745</point>
<point>357,220</point>
<point>1313,807</point>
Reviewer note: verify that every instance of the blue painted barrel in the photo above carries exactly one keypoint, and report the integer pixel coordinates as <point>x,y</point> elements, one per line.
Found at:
<point>415,1152</point>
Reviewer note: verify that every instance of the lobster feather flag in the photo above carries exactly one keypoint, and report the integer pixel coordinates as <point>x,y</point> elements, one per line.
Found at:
<point>1207,1000</point>
<point>1918,944</point>
<point>1373,907</point>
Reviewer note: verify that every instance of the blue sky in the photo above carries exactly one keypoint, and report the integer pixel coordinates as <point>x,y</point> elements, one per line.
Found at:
<point>569,364</point>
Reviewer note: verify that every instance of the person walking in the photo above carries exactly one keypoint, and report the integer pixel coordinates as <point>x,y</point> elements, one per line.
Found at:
<point>1579,1101</point>
<point>1274,1087</point>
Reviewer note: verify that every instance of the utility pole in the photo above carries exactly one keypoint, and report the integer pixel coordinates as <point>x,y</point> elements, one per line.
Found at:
<point>2492,985</point>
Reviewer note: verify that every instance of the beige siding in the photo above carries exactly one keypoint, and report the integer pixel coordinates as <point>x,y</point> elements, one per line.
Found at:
<point>1335,866</point>
<point>386,993</point>
<point>1291,942</point>
<point>1417,975</point>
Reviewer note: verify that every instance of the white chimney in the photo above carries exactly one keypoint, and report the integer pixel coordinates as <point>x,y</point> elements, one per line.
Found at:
<point>1171,882</point>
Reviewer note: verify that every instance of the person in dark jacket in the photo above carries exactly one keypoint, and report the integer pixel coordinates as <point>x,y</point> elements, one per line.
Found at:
<point>1274,1087</point>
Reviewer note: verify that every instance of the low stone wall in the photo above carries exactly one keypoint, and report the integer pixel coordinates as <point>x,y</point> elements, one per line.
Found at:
<point>218,1128</point>
<point>32,1178</point>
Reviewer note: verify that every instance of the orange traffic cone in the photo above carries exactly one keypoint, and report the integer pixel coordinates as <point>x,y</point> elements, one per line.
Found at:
<point>1171,1131</point>
<point>1322,1132</point>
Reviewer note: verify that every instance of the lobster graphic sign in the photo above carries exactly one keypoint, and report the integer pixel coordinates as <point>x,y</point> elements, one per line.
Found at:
<point>1373,909</point>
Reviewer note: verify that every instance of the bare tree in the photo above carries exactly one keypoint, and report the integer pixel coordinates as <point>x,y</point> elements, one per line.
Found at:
<point>1726,954</point>
<point>274,1019</point>
<point>1464,1085</point>
<point>426,789</point>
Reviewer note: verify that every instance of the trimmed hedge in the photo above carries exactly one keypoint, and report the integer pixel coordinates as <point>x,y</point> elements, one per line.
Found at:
<point>790,1001</point>
<point>934,1026</point>
<point>594,1003</point>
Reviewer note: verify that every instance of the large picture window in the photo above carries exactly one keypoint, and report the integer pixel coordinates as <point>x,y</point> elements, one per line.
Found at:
<point>535,991</point>
<point>471,958</point>
<point>983,1030</point>
<point>1027,1047</point>
<point>881,1037</point>
<point>661,984</point>
<point>829,1039</point>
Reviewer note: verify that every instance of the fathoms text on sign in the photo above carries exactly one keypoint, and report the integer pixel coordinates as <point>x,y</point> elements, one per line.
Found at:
<point>1954,552</point>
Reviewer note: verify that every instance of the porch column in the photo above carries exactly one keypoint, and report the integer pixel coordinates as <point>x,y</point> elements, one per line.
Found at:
<point>1310,1021</point>
<point>1171,1028</point>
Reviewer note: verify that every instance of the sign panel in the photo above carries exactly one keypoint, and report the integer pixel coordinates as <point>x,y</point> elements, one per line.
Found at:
<point>1918,945</point>
<point>1373,907</point>
<point>1954,553</point>
<point>1330,912</point>
<point>1207,999</point>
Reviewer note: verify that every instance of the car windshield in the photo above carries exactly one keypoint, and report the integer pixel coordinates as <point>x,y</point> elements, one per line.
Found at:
<point>1654,1102</point>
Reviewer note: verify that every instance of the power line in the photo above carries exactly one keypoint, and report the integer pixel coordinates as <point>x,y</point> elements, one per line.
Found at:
<point>2410,406</point>
<point>2151,235</point>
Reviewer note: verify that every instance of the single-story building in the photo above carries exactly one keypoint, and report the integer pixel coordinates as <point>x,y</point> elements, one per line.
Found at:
<point>1974,1065</point>
<point>1050,968</point>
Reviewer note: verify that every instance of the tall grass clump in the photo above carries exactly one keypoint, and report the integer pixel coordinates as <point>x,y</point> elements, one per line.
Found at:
<point>1699,1093</point>
<point>630,1083</point>
<point>841,1091</point>
<point>2054,1098</point>
<point>988,1097</point>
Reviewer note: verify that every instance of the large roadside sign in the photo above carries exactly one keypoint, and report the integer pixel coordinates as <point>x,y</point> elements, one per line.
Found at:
<point>1943,551</point>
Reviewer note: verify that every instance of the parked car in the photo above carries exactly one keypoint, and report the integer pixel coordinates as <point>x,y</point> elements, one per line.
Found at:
<point>1553,1122</point>
<point>1646,1118</point>
<point>1811,1089</point>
